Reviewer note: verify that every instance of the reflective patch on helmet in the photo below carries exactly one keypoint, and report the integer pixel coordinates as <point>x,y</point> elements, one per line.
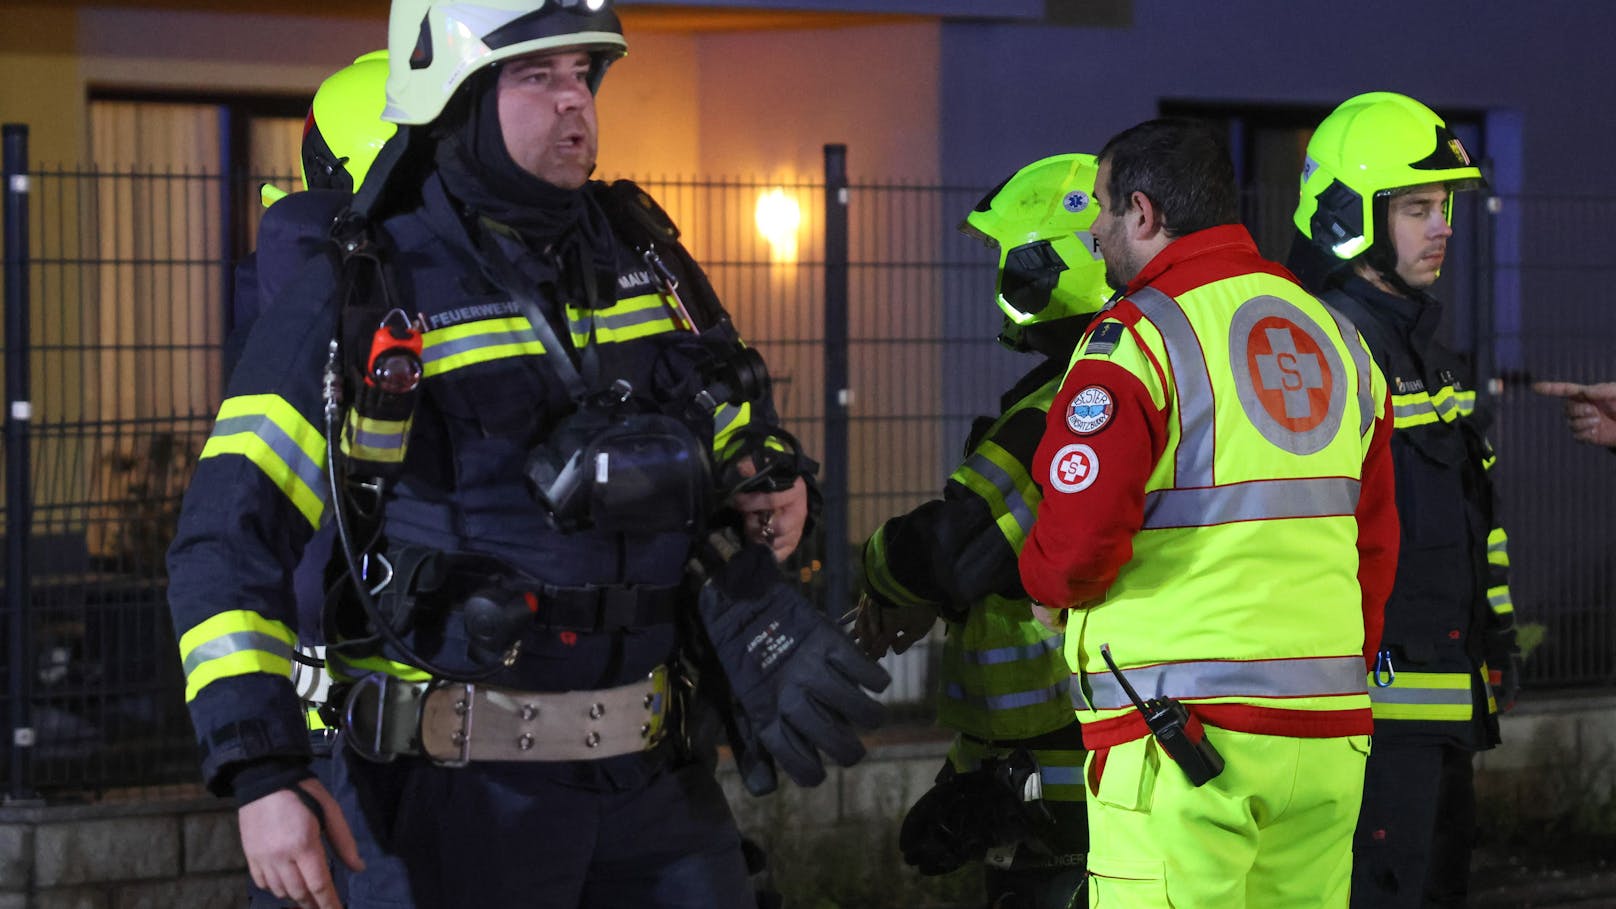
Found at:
<point>1090,411</point>
<point>1086,237</point>
<point>1075,201</point>
<point>1459,150</point>
<point>1074,469</point>
<point>1308,167</point>
<point>1287,374</point>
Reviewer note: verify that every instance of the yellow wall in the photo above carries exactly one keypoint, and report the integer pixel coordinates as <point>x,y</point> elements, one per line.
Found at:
<point>682,103</point>
<point>650,121</point>
<point>39,81</point>
<point>722,105</point>
<point>771,100</point>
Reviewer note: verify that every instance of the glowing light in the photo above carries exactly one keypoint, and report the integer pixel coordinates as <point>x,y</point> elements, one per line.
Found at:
<point>778,217</point>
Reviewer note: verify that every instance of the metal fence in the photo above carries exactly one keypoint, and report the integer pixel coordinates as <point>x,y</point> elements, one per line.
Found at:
<point>127,292</point>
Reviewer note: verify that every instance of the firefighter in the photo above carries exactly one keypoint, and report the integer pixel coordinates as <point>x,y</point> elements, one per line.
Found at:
<point>1003,681</point>
<point>336,156</point>
<point>520,404</point>
<point>342,134</point>
<point>1218,534</point>
<point>1373,227</point>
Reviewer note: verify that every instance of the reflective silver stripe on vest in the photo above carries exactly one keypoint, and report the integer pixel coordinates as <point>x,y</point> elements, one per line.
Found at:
<point>1295,678</point>
<point>237,642</point>
<point>954,692</point>
<point>1000,655</point>
<point>1360,362</point>
<point>1258,500</point>
<point>1192,463</point>
<point>1014,503</point>
<point>1194,501</point>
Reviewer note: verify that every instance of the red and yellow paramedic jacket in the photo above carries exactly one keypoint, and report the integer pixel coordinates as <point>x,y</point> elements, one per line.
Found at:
<point>1218,503</point>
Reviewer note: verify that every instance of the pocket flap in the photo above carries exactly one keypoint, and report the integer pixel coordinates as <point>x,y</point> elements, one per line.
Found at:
<point>1129,778</point>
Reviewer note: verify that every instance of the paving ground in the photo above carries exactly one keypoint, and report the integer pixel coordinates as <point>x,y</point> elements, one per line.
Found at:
<point>1513,879</point>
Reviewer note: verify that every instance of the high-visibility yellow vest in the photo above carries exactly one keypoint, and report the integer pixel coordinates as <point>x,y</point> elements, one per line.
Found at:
<point>1242,589</point>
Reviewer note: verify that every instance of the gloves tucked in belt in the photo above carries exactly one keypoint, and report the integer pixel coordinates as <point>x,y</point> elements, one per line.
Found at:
<point>1504,666</point>
<point>797,681</point>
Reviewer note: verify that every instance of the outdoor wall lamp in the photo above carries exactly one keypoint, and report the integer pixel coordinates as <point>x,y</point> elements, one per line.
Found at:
<point>778,216</point>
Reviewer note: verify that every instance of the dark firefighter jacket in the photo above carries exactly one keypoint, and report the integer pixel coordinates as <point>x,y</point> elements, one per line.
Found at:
<point>1003,676</point>
<point>489,395</point>
<point>1450,609</point>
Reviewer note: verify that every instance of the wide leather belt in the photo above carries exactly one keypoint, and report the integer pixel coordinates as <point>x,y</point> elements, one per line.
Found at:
<point>455,723</point>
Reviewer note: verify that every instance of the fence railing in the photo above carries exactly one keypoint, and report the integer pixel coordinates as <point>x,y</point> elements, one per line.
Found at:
<point>125,304</point>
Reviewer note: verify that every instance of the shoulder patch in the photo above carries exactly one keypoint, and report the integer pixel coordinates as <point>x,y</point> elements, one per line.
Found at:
<point>1074,468</point>
<point>1104,339</point>
<point>1089,411</point>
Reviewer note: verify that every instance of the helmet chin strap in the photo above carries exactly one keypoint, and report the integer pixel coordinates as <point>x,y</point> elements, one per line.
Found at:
<point>1012,337</point>
<point>1381,256</point>
<point>1384,263</point>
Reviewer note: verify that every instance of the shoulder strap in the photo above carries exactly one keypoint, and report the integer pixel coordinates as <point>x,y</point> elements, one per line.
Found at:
<point>637,218</point>
<point>505,275</point>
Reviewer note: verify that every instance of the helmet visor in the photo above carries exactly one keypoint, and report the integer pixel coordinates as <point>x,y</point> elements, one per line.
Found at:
<point>1029,277</point>
<point>975,233</point>
<point>591,20</point>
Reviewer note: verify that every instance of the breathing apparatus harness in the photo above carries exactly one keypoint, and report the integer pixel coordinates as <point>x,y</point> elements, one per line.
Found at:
<point>660,472</point>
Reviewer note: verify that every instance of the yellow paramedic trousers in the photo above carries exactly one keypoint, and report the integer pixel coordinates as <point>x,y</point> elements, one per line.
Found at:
<point>1273,830</point>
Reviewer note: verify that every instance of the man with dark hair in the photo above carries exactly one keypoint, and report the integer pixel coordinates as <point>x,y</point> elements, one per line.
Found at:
<point>1220,524</point>
<point>508,388</point>
<point>1143,156</point>
<point>1373,224</point>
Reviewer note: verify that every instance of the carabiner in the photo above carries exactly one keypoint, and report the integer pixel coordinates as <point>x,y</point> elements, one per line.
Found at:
<point>670,288</point>
<point>1383,661</point>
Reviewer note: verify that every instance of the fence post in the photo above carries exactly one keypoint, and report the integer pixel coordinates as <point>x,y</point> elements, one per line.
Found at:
<point>837,395</point>
<point>19,507</point>
<point>1489,380</point>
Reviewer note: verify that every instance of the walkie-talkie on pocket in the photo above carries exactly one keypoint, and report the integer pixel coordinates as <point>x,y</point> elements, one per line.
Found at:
<point>1179,732</point>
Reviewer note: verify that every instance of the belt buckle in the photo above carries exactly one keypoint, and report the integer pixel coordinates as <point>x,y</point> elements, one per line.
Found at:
<point>465,708</point>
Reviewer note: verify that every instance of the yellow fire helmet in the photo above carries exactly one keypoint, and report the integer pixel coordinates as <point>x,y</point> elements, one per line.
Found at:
<point>345,130</point>
<point>437,44</point>
<point>1039,221</point>
<point>1368,147</point>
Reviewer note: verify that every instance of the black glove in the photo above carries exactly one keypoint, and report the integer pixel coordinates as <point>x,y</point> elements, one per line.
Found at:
<point>797,681</point>
<point>944,829</point>
<point>966,814</point>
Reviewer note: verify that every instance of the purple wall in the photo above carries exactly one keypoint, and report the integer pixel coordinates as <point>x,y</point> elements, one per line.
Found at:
<point>1077,86</point>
